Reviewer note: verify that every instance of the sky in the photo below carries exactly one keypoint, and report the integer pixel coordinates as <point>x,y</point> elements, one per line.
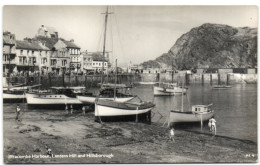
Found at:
<point>135,33</point>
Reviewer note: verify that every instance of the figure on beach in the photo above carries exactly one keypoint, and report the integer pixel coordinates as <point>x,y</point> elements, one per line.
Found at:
<point>172,134</point>
<point>18,110</point>
<point>66,109</point>
<point>212,125</point>
<point>48,151</point>
<point>71,109</point>
<point>83,110</point>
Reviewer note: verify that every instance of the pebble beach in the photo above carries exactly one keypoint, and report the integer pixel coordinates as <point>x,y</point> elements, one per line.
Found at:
<point>74,138</point>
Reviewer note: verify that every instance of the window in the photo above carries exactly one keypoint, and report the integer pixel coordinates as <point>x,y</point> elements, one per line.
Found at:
<point>32,52</point>
<point>21,52</point>
<point>28,52</point>
<point>40,52</point>
<point>20,60</point>
<point>99,64</point>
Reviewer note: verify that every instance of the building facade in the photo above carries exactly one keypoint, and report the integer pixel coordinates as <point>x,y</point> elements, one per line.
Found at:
<point>9,53</point>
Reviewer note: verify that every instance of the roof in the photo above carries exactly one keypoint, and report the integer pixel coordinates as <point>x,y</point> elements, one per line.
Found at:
<point>98,57</point>
<point>27,45</point>
<point>71,44</point>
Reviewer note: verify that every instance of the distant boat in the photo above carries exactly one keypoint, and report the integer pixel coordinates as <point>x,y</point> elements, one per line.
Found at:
<point>197,114</point>
<point>169,89</point>
<point>221,86</point>
<point>55,97</point>
<point>146,83</point>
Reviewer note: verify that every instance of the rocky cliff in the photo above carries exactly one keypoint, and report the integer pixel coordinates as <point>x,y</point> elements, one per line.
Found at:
<point>211,45</point>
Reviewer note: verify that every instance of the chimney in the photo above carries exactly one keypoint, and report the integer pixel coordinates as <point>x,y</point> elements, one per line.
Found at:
<point>28,40</point>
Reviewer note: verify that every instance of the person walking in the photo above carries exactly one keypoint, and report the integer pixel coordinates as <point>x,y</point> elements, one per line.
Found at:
<point>18,110</point>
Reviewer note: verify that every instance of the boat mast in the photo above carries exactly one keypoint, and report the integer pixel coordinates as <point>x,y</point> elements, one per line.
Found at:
<point>104,44</point>
<point>172,72</point>
<point>182,98</point>
<point>115,82</point>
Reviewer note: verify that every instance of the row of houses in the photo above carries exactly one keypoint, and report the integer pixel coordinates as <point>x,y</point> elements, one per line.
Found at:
<point>48,53</point>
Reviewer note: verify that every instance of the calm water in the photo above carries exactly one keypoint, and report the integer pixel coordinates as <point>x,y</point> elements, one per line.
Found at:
<point>235,108</point>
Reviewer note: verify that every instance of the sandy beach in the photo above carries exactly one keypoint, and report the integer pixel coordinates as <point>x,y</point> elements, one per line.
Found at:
<point>74,138</point>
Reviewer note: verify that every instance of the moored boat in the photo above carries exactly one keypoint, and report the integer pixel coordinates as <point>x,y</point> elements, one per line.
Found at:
<point>105,93</point>
<point>16,94</point>
<point>168,91</point>
<point>113,110</point>
<point>221,86</point>
<point>199,113</point>
<point>56,97</point>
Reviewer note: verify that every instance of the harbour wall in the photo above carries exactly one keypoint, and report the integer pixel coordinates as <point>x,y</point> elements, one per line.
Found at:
<point>94,80</point>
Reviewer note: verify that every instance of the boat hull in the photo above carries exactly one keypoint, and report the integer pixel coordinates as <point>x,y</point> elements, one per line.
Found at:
<point>50,100</point>
<point>106,109</point>
<point>91,99</point>
<point>13,98</point>
<point>159,91</point>
<point>189,117</point>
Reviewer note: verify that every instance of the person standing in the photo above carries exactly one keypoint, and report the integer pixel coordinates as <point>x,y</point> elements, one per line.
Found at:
<point>71,109</point>
<point>18,110</point>
<point>66,109</point>
<point>212,125</point>
<point>172,134</point>
<point>83,110</point>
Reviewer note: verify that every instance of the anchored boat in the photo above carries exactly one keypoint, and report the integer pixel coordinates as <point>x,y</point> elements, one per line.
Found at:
<point>221,86</point>
<point>168,89</point>
<point>197,114</point>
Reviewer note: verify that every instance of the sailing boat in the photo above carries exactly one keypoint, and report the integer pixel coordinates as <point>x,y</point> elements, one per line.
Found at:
<point>198,113</point>
<point>107,91</point>
<point>114,109</point>
<point>107,109</point>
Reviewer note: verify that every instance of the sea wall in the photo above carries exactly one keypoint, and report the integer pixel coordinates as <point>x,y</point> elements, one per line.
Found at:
<point>94,80</point>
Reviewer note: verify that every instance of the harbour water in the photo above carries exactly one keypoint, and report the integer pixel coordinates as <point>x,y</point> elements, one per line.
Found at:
<point>235,108</point>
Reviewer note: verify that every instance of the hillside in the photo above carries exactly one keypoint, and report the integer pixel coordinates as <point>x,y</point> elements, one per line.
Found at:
<point>211,45</point>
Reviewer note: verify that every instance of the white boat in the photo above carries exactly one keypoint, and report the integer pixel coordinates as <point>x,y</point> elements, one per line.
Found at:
<point>55,97</point>
<point>147,83</point>
<point>16,94</point>
<point>168,91</point>
<point>105,93</point>
<point>110,109</point>
<point>221,86</point>
<point>199,113</point>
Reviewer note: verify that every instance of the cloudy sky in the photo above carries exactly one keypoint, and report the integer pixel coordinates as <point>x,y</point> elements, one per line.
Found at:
<point>135,33</point>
